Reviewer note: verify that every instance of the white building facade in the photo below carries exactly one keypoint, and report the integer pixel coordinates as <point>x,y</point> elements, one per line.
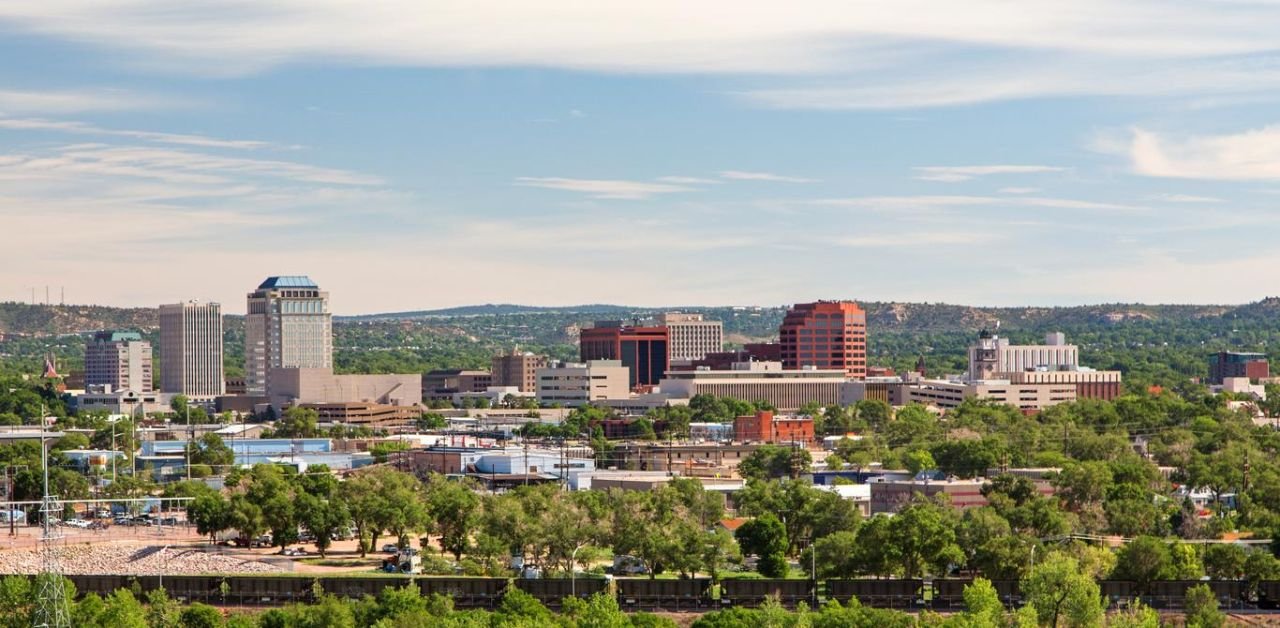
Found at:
<point>191,349</point>
<point>288,325</point>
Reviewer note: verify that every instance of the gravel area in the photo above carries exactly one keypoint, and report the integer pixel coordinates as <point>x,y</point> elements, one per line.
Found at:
<point>132,559</point>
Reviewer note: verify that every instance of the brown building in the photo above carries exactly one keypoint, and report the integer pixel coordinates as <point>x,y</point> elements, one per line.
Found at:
<point>700,459</point>
<point>825,335</point>
<point>644,350</point>
<point>517,369</point>
<point>442,384</point>
<point>750,352</point>
<point>1089,384</point>
<point>764,427</point>
<point>364,413</point>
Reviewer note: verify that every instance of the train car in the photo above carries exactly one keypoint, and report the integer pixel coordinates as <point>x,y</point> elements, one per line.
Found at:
<point>643,594</point>
<point>270,590</point>
<point>1118,592</point>
<point>358,587</point>
<point>552,591</point>
<point>878,593</point>
<point>466,593</point>
<point>750,593</point>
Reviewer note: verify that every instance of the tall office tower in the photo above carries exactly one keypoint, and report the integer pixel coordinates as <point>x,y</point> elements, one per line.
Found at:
<point>191,349</point>
<point>825,335</point>
<point>691,337</point>
<point>517,369</point>
<point>119,359</point>
<point>641,349</point>
<point>287,325</point>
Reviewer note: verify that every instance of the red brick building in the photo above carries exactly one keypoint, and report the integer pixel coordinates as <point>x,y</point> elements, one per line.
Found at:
<point>764,427</point>
<point>644,350</point>
<point>825,335</point>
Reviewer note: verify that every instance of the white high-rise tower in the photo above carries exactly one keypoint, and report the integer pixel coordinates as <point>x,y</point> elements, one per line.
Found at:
<point>287,325</point>
<point>191,349</point>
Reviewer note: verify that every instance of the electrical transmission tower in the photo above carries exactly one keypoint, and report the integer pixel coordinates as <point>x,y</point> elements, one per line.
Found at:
<point>51,609</point>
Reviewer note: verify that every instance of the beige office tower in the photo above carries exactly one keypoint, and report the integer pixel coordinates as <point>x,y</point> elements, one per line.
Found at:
<point>191,349</point>
<point>120,360</point>
<point>287,325</point>
<point>690,337</point>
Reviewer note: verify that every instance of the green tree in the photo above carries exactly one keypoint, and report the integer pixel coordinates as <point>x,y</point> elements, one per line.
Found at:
<point>298,422</point>
<point>922,537</point>
<point>1202,608</point>
<point>1143,560</point>
<point>1062,595</point>
<point>200,615</point>
<point>211,513</point>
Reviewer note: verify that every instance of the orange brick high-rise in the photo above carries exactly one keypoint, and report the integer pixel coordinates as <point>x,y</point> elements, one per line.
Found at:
<point>825,335</point>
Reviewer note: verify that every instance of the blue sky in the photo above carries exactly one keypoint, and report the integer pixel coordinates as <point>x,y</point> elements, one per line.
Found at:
<point>412,155</point>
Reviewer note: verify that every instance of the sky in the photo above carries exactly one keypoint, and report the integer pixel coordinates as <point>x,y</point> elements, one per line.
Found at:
<point>421,154</point>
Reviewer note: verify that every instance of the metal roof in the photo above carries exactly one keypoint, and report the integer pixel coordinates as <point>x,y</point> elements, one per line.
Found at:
<point>288,281</point>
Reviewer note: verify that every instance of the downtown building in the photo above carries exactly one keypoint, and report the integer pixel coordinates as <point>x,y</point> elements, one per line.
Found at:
<point>287,326</point>
<point>118,361</point>
<point>191,350</point>
<point>517,370</point>
<point>692,338</point>
<point>644,350</point>
<point>825,335</point>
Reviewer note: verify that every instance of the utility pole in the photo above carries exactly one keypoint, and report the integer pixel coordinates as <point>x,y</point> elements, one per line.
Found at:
<point>190,438</point>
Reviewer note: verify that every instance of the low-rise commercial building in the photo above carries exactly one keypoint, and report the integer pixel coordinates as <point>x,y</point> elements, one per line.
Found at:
<point>765,427</point>
<point>364,413</point>
<point>320,385</point>
<point>578,384</point>
<point>786,390</point>
<point>444,383</point>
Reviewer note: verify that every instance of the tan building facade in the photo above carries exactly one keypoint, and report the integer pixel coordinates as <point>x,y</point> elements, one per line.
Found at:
<point>578,384</point>
<point>787,390</point>
<point>118,360</point>
<point>690,338</point>
<point>321,385</point>
<point>517,369</point>
<point>287,325</point>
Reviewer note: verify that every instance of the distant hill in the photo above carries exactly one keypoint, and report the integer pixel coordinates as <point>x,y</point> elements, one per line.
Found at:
<point>40,320</point>
<point>491,309</point>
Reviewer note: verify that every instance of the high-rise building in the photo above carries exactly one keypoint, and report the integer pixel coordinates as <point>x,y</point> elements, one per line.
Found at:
<point>119,359</point>
<point>517,369</point>
<point>641,349</point>
<point>287,325</point>
<point>191,349</point>
<point>691,337</point>
<point>825,335</point>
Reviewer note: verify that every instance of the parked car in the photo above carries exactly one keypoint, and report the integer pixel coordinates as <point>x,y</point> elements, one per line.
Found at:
<point>294,551</point>
<point>391,548</point>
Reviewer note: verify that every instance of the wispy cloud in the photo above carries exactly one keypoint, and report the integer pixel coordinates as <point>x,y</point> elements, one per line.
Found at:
<point>1244,156</point>
<point>79,100</point>
<point>1186,198</point>
<point>84,128</point>
<point>604,188</point>
<point>953,174</point>
<point>739,175</point>
<point>934,203</point>
<point>915,239</point>
<point>690,180</point>
<point>1018,190</point>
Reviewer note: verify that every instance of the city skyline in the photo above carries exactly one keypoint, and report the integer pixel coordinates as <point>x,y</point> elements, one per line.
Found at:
<point>747,153</point>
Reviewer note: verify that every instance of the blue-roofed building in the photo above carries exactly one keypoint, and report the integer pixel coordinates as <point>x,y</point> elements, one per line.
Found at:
<point>288,281</point>
<point>287,326</point>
